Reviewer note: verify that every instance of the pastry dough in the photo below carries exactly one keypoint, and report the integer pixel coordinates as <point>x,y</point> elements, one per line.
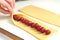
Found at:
<point>41,14</point>
<point>32,31</point>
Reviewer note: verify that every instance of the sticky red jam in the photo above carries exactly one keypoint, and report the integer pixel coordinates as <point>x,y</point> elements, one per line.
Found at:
<point>32,24</point>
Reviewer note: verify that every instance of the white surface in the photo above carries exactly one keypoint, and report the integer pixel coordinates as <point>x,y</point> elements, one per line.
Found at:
<point>6,23</point>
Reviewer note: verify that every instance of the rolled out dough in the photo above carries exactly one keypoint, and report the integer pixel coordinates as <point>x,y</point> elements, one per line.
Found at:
<point>41,14</point>
<point>32,31</point>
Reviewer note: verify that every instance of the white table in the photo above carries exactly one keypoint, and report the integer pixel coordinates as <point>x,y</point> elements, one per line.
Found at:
<point>6,23</point>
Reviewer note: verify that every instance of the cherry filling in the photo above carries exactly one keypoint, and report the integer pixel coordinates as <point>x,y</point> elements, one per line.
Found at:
<point>42,30</point>
<point>16,17</point>
<point>32,24</point>
<point>47,32</point>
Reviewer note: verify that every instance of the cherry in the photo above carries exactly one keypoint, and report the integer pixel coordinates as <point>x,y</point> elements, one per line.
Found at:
<point>42,30</point>
<point>27,22</point>
<point>21,19</point>
<point>38,28</point>
<point>33,24</point>
<point>16,17</point>
<point>47,32</point>
<point>36,25</point>
<point>30,23</point>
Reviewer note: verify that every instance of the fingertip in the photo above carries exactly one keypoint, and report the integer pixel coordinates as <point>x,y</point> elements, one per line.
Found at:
<point>4,11</point>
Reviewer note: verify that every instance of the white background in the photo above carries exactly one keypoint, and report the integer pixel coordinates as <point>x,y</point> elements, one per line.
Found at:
<point>6,23</point>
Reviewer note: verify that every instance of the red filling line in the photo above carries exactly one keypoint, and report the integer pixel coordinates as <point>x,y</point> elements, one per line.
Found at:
<point>32,24</point>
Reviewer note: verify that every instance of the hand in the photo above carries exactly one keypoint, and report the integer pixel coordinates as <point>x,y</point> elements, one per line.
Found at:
<point>8,4</point>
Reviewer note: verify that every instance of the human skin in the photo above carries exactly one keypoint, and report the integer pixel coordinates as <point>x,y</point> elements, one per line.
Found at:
<point>8,4</point>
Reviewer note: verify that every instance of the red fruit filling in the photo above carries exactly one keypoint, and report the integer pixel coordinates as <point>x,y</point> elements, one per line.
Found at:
<point>16,17</point>
<point>47,32</point>
<point>32,24</point>
<point>42,30</point>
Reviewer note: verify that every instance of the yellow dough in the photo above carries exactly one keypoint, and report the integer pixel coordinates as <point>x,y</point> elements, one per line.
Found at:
<point>32,31</point>
<point>41,14</point>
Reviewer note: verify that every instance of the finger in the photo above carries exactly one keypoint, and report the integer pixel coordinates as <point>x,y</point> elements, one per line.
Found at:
<point>13,3</point>
<point>5,4</point>
<point>4,11</point>
<point>10,2</point>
